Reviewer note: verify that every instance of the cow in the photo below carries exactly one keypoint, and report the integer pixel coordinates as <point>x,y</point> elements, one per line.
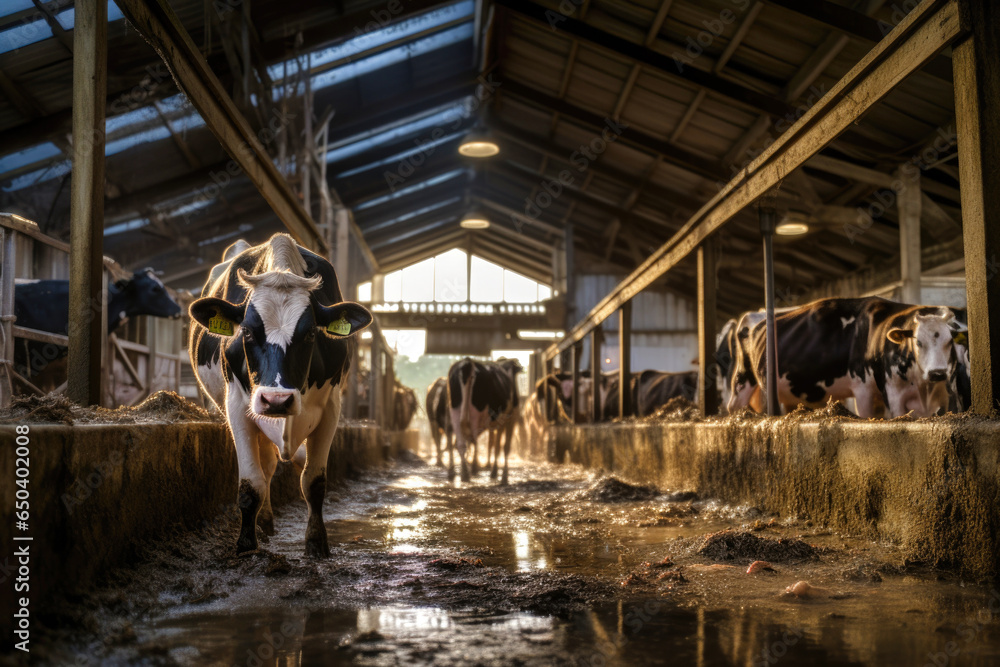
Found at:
<point>483,396</point>
<point>855,348</point>
<point>440,422</point>
<point>404,406</point>
<point>656,388</point>
<point>609,403</point>
<point>544,407</point>
<point>44,305</point>
<point>271,343</point>
<point>725,350</point>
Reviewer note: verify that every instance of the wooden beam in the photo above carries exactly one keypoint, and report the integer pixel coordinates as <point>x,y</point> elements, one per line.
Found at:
<point>624,359</point>
<point>679,157</point>
<point>737,38</point>
<point>648,57</point>
<point>919,37</point>
<point>156,21</point>
<point>977,88</point>
<point>86,258</point>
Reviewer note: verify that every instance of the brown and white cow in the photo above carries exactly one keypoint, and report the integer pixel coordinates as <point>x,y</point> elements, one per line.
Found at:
<point>270,345</point>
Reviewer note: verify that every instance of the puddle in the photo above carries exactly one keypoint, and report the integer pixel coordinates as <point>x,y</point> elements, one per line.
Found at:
<point>424,571</point>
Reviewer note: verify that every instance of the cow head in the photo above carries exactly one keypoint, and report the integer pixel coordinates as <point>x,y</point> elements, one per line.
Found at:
<point>929,338</point>
<point>279,324</point>
<point>144,294</point>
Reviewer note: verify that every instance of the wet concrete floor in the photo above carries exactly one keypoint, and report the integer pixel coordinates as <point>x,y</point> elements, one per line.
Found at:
<point>543,572</point>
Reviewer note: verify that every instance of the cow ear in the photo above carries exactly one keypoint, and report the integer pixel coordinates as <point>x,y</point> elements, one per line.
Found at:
<point>898,335</point>
<point>343,320</point>
<point>220,317</point>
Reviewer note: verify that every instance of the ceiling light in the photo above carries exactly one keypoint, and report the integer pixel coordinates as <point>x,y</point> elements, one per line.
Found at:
<point>474,220</point>
<point>791,228</point>
<point>478,144</point>
<point>793,223</point>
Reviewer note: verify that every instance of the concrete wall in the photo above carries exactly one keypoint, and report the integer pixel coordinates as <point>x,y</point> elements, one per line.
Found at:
<point>99,491</point>
<point>932,487</point>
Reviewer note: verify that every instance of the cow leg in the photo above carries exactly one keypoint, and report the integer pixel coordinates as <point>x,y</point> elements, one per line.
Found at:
<point>506,454</point>
<point>268,462</point>
<point>475,456</point>
<point>451,454</point>
<point>493,450</point>
<point>437,446</point>
<point>253,484</point>
<point>313,480</point>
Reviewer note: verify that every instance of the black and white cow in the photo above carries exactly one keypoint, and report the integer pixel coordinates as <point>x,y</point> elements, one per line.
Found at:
<point>725,350</point>
<point>440,422</point>
<point>654,389</point>
<point>855,348</point>
<point>483,396</point>
<point>44,305</point>
<point>270,344</point>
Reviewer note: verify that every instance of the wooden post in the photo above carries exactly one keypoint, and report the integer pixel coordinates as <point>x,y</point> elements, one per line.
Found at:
<point>151,352</point>
<point>575,353</point>
<point>768,222</point>
<point>908,204</point>
<point>7,265</point>
<point>596,339</point>
<point>86,258</point>
<point>374,381</point>
<point>570,276</point>
<point>624,359</point>
<point>708,397</point>
<point>977,121</point>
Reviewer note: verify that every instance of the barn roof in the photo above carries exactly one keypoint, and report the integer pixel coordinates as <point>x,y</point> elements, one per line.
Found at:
<point>685,93</point>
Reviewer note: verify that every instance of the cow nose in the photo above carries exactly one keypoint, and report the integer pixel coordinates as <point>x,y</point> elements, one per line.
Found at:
<point>276,403</point>
<point>937,376</point>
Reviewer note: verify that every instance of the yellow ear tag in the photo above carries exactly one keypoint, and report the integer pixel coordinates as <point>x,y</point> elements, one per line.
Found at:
<point>341,327</point>
<point>221,326</point>
<point>960,338</point>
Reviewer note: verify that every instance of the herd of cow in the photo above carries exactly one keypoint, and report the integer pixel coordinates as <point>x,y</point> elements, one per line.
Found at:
<point>888,358</point>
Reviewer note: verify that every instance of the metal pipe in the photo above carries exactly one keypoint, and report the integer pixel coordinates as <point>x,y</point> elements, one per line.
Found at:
<point>768,221</point>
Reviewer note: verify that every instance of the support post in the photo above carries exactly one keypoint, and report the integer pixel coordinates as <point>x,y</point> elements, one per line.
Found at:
<point>768,222</point>
<point>596,340</point>
<point>624,359</point>
<point>908,203</point>
<point>86,257</point>
<point>7,268</point>
<point>708,397</point>
<point>570,277</point>
<point>374,381</point>
<point>151,354</point>
<point>977,121</point>
<point>575,353</point>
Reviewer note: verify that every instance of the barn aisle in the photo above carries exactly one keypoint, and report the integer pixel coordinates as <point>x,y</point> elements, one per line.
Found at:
<point>561,567</point>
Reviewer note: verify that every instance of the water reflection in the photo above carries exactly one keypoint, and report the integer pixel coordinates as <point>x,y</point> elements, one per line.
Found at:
<point>529,553</point>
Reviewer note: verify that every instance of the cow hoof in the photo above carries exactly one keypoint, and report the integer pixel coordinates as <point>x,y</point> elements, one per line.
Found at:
<point>451,475</point>
<point>317,548</point>
<point>504,482</point>
<point>493,474</point>
<point>466,477</point>
<point>244,545</point>
<point>266,526</point>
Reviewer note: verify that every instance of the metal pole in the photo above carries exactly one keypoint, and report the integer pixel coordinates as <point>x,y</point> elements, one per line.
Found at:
<point>575,376</point>
<point>768,218</point>
<point>86,257</point>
